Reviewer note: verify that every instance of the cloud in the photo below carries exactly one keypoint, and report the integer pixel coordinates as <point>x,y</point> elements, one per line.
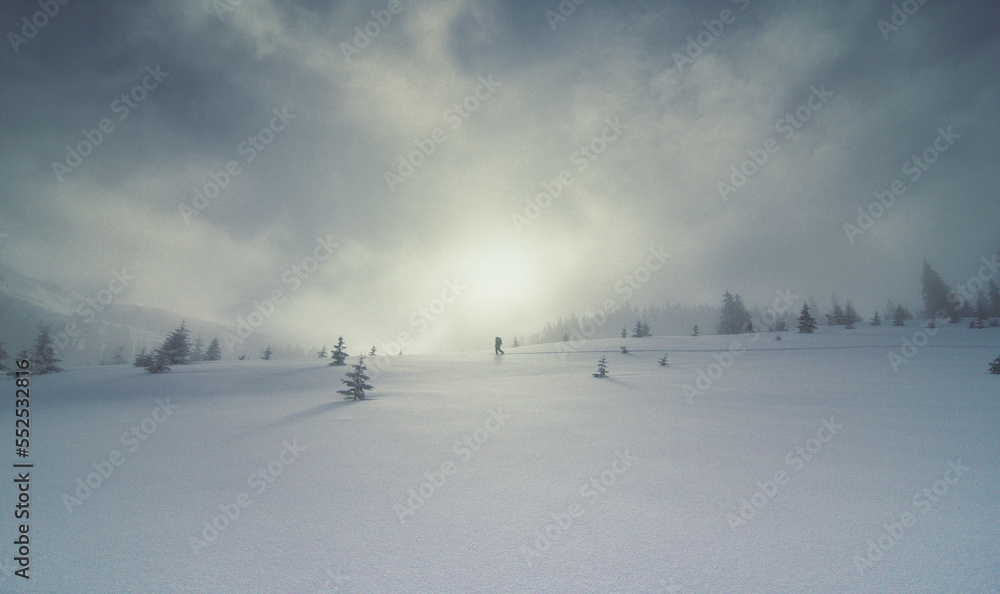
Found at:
<point>412,90</point>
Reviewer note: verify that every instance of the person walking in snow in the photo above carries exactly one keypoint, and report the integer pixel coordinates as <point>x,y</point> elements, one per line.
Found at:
<point>499,351</point>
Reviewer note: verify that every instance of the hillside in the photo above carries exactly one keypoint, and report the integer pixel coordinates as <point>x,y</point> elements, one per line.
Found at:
<point>472,472</point>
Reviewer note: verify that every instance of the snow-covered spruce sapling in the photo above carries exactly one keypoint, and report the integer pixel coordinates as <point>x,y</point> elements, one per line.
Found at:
<point>995,366</point>
<point>267,353</point>
<point>624,350</point>
<point>338,354</point>
<point>602,368</point>
<point>663,360</point>
<point>159,360</point>
<point>373,351</point>
<point>357,381</point>
<point>322,353</point>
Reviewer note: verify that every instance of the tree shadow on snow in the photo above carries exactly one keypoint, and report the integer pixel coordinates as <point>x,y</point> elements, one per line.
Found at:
<point>319,409</point>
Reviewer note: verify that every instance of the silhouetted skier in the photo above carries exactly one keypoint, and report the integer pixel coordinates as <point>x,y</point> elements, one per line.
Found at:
<point>499,351</point>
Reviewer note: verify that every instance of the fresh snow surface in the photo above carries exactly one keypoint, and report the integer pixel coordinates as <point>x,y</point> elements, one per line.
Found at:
<point>589,485</point>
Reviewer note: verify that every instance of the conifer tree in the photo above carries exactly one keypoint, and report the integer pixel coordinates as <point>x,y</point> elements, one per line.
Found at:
<point>624,332</point>
<point>694,332</point>
<point>267,353</point>
<point>43,358</point>
<point>322,353</point>
<point>837,316</point>
<point>624,350</point>
<point>143,359</point>
<point>662,360</point>
<point>993,294</point>
<point>734,318</point>
<point>338,354</point>
<point>934,292</point>
<point>177,346</point>
<point>356,381</point>
<point>982,310</point>
<point>197,351</point>
<point>807,323</point>
<point>602,367</point>
<point>213,352</point>
<point>516,343</point>
<point>876,321</point>
<point>851,316</point>
<point>995,366</point>
<point>159,361</point>
<point>900,316</point>
<point>373,351</point>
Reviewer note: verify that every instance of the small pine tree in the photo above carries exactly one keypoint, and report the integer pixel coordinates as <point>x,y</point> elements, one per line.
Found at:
<point>624,332</point>
<point>851,316</point>
<point>242,357</point>
<point>624,350</point>
<point>900,316</point>
<point>662,360</point>
<point>695,331</point>
<point>516,343</point>
<point>807,323</point>
<point>322,353</point>
<point>338,354</point>
<point>995,366</point>
<point>356,381</point>
<point>777,337</point>
<point>602,368</point>
<point>197,351</point>
<point>837,316</point>
<point>159,360</point>
<point>982,310</point>
<point>373,351</point>
<point>214,352</point>
<point>876,321</point>
<point>142,359</point>
<point>177,346</point>
<point>565,336</point>
<point>43,358</point>
<point>267,353</point>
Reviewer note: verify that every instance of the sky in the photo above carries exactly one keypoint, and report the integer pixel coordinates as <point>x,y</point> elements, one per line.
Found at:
<point>438,173</point>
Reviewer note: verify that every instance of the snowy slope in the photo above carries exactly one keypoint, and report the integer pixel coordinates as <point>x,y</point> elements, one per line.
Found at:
<point>528,474</point>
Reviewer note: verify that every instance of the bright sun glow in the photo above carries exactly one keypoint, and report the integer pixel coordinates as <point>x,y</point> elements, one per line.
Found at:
<point>500,277</point>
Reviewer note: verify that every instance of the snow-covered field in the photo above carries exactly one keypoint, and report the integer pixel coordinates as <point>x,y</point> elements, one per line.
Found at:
<point>805,465</point>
